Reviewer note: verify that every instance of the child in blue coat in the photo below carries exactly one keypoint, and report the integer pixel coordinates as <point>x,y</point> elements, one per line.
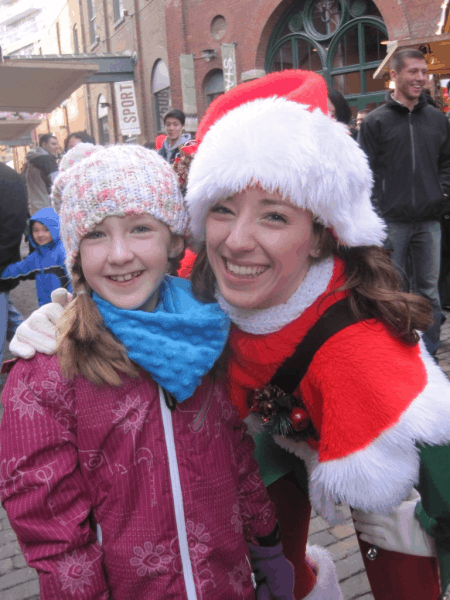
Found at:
<point>46,263</point>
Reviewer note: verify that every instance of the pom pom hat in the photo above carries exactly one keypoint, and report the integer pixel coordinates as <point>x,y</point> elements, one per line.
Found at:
<point>115,181</point>
<point>275,132</point>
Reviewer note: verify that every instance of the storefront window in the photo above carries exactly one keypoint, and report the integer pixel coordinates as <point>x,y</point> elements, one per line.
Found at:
<point>102,118</point>
<point>161,93</point>
<point>214,85</point>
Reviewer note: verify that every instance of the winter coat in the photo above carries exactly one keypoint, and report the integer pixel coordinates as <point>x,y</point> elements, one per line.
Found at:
<point>13,218</point>
<point>169,153</point>
<point>409,153</point>
<point>46,263</point>
<point>45,163</point>
<point>176,494</point>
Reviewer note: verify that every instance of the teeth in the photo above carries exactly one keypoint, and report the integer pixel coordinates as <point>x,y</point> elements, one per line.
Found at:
<point>237,270</point>
<point>125,277</point>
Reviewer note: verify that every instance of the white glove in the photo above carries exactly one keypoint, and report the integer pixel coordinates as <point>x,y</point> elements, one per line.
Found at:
<point>399,531</point>
<point>38,332</point>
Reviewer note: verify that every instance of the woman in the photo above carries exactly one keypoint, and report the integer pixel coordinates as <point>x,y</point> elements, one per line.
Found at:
<point>77,137</point>
<point>285,235</point>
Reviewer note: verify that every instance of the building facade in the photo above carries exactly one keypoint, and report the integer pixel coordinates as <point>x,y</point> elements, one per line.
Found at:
<point>187,52</point>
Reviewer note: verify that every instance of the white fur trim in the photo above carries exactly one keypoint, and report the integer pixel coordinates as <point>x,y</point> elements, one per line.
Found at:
<point>327,583</point>
<point>379,477</point>
<point>261,322</point>
<point>306,156</point>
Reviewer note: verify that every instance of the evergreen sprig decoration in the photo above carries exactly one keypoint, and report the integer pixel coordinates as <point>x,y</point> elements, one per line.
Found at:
<point>283,414</point>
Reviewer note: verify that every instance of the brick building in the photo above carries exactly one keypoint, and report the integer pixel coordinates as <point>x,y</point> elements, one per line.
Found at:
<point>189,51</point>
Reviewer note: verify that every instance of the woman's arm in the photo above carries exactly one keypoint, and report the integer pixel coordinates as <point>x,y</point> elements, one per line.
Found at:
<point>38,332</point>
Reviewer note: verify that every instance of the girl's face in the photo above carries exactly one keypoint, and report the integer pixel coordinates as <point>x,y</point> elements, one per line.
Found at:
<point>124,259</point>
<point>259,247</point>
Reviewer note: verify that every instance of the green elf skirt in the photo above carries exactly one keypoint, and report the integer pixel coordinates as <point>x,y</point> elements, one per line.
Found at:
<point>274,462</point>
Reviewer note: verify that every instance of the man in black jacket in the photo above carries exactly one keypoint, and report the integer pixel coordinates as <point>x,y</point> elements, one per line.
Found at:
<point>407,142</point>
<point>13,216</point>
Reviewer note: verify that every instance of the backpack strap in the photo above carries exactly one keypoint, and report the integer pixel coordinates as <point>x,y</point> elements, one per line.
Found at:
<point>336,318</point>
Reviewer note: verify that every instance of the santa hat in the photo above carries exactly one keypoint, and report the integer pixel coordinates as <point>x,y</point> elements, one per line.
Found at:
<point>275,132</point>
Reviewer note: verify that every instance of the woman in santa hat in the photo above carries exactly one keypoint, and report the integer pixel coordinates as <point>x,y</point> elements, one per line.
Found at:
<point>326,364</point>
<point>325,361</point>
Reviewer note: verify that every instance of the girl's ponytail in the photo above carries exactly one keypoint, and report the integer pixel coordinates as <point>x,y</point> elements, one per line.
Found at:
<point>85,346</point>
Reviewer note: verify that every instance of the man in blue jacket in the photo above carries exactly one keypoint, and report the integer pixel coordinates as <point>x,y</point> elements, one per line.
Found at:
<point>407,142</point>
<point>46,264</point>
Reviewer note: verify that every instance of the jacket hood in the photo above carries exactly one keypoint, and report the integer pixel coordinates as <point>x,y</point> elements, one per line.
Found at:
<point>35,153</point>
<point>50,219</point>
<point>185,137</point>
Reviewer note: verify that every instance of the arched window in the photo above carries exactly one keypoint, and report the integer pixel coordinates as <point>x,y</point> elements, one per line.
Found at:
<point>341,39</point>
<point>161,92</point>
<point>102,118</point>
<point>214,85</point>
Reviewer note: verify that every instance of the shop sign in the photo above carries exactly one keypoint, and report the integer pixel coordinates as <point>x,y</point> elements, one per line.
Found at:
<point>127,109</point>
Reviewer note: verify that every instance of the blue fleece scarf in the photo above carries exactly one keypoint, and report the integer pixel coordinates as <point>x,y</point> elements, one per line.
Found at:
<point>177,343</point>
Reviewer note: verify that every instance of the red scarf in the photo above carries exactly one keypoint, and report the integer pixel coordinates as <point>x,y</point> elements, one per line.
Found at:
<point>255,358</point>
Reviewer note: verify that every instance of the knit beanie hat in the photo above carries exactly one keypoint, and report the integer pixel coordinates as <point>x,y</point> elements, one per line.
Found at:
<point>275,132</point>
<point>115,181</point>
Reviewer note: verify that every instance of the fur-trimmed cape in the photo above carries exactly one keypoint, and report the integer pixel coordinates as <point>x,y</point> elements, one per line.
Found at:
<point>370,396</point>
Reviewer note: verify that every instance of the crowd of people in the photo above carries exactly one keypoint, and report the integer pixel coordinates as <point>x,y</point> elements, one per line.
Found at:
<point>310,321</point>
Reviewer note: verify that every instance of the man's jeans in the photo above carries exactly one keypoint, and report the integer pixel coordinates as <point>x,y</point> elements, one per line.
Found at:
<point>10,319</point>
<point>420,243</point>
<point>4,307</point>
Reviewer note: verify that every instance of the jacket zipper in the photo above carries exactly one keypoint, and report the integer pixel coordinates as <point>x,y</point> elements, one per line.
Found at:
<point>177,498</point>
<point>413,195</point>
<point>200,418</point>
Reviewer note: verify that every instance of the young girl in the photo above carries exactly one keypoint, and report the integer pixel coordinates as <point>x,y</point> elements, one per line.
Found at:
<point>124,428</point>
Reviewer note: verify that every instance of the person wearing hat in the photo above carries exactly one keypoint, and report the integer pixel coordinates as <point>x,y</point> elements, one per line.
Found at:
<point>325,362</point>
<point>125,428</point>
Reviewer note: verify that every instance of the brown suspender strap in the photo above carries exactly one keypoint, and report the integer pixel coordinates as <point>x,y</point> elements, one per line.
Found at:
<point>336,318</point>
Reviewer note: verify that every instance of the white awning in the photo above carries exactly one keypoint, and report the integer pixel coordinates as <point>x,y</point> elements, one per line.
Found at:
<point>14,129</point>
<point>40,86</point>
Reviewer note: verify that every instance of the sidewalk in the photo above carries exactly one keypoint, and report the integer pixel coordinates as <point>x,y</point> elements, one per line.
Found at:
<point>18,582</point>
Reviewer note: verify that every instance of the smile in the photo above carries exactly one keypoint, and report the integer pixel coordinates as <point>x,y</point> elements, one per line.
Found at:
<point>125,277</point>
<point>244,271</point>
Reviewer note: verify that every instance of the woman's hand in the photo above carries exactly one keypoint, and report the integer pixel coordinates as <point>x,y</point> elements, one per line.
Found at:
<point>400,531</point>
<point>38,332</point>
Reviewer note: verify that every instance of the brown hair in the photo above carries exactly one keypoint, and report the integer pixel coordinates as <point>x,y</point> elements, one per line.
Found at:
<point>85,346</point>
<point>375,286</point>
<point>398,60</point>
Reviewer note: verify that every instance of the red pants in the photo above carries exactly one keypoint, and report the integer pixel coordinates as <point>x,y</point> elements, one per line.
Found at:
<point>293,514</point>
<point>392,576</point>
<point>395,576</point>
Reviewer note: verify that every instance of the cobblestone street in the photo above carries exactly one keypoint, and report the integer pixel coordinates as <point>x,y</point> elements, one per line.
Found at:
<point>18,582</point>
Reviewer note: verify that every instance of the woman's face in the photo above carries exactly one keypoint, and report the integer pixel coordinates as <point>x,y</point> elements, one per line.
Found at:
<point>74,141</point>
<point>124,259</point>
<point>259,247</point>
<point>331,109</point>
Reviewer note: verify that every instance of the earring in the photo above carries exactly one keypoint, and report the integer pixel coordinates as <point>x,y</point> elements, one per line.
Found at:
<point>317,253</point>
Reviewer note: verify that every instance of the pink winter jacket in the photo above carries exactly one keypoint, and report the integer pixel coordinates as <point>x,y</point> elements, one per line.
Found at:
<point>176,493</point>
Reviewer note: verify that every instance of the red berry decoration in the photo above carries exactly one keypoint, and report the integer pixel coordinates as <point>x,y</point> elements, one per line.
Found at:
<point>299,419</point>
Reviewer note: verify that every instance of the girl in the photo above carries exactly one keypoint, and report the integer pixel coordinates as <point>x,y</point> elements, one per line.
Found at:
<point>124,428</point>
<point>291,248</point>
